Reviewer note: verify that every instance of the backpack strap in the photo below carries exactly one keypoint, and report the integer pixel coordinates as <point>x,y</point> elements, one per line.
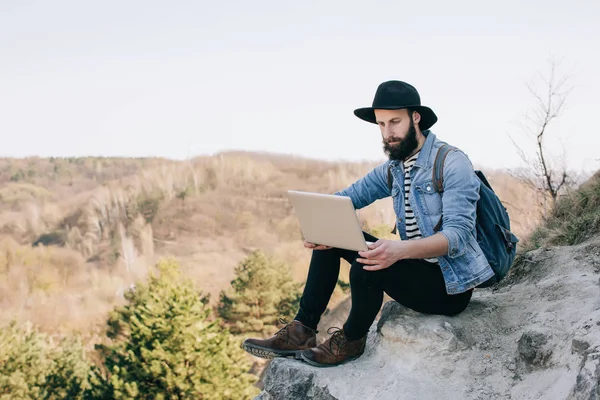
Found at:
<point>390,182</point>
<point>437,176</point>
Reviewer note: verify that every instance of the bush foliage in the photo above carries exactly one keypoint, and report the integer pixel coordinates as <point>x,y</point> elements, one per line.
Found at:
<point>35,366</point>
<point>262,292</point>
<point>163,343</point>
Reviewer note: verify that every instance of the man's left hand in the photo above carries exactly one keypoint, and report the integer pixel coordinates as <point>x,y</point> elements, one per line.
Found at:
<point>382,254</point>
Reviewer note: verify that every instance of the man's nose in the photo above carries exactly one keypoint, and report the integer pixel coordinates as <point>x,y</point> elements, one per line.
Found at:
<point>387,133</point>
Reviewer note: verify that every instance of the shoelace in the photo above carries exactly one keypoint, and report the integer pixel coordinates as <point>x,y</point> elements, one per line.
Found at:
<point>337,337</point>
<point>284,330</point>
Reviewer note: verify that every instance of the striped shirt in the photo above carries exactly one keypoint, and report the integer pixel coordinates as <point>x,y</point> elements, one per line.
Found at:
<point>412,229</point>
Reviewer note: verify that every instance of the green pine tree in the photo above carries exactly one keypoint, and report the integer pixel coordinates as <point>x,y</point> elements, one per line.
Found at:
<point>69,376</point>
<point>262,292</point>
<point>34,366</point>
<point>165,346</point>
<point>24,361</point>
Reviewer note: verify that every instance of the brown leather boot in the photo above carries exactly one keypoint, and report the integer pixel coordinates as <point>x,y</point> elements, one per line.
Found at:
<point>335,351</point>
<point>288,341</point>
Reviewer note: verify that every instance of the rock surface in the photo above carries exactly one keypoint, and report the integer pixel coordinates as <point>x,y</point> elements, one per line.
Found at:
<point>537,336</point>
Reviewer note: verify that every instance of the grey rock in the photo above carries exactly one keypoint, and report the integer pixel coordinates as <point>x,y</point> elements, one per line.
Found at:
<point>579,345</point>
<point>286,379</point>
<point>537,337</point>
<point>534,349</point>
<point>587,386</point>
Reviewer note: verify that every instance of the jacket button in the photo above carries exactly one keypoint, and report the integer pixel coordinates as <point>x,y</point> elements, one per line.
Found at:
<point>428,188</point>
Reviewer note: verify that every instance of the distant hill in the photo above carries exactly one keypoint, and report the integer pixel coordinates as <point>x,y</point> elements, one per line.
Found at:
<point>102,221</point>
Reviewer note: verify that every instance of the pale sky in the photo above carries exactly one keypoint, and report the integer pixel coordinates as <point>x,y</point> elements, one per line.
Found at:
<point>179,79</point>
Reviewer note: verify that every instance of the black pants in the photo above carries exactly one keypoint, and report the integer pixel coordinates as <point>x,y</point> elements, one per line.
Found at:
<point>416,284</point>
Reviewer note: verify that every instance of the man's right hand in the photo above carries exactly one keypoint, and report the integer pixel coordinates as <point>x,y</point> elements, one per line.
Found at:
<point>313,246</point>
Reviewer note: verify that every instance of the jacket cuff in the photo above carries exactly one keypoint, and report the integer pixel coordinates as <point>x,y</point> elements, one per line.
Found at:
<point>454,249</point>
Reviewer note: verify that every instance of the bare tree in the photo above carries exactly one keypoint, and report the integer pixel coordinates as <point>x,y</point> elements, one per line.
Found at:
<point>545,173</point>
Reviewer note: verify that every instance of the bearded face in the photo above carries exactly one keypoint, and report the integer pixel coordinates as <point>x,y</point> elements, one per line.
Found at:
<point>402,146</point>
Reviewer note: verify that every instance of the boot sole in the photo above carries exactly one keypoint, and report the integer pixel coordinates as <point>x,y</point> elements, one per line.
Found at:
<point>316,364</point>
<point>268,353</point>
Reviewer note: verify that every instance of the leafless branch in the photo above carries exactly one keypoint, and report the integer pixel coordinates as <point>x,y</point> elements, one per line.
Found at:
<point>549,104</point>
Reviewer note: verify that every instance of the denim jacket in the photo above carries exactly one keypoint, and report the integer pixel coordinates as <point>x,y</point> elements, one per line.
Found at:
<point>465,265</point>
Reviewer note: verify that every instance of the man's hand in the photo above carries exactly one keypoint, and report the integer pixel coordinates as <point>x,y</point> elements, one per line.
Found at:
<point>382,254</point>
<point>315,246</point>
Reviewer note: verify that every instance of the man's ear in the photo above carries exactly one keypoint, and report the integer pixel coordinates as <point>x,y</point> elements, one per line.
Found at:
<point>416,117</point>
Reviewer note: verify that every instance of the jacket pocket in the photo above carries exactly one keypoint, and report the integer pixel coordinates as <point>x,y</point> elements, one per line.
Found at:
<point>430,200</point>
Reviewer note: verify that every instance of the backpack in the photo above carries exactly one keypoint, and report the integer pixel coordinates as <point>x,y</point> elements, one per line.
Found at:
<point>494,237</point>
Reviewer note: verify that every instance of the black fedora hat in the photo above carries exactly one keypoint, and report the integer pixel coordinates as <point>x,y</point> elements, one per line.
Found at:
<point>394,95</point>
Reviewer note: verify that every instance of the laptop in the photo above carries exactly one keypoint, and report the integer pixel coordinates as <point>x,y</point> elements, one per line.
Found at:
<point>328,219</point>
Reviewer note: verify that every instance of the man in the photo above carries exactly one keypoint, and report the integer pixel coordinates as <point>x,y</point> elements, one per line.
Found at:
<point>432,269</point>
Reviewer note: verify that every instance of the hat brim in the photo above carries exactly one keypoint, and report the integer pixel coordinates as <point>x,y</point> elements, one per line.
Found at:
<point>428,117</point>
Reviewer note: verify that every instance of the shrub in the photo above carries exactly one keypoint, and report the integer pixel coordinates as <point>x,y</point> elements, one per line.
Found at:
<point>575,218</point>
<point>262,292</point>
<point>164,345</point>
<point>34,366</point>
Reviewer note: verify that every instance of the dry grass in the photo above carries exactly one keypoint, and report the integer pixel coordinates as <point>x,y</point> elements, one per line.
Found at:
<point>53,287</point>
<point>14,193</point>
<point>109,219</point>
<point>574,219</point>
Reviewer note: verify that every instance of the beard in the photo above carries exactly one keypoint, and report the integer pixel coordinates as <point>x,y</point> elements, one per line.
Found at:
<point>405,147</point>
